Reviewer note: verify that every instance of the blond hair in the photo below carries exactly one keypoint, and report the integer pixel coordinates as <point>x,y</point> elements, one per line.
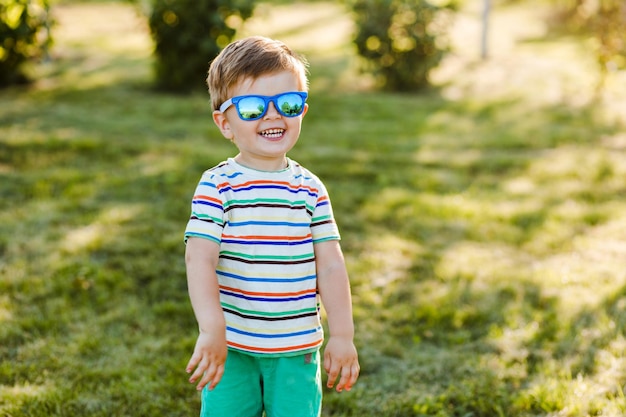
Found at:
<point>252,57</point>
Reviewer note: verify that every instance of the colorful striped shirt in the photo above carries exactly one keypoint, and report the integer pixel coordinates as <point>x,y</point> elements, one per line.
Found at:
<point>266,224</point>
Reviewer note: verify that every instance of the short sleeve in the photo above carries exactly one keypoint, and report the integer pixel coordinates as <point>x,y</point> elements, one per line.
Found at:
<point>323,226</point>
<point>207,211</point>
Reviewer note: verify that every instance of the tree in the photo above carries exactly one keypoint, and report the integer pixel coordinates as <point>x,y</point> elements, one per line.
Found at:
<point>188,34</point>
<point>21,22</point>
<point>605,20</point>
<point>402,40</point>
<point>484,49</point>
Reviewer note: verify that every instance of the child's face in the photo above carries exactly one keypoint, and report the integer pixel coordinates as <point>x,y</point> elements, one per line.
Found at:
<point>263,143</point>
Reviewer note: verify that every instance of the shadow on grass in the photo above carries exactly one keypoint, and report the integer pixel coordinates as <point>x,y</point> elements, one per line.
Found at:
<point>444,208</point>
<point>94,202</point>
<point>479,198</point>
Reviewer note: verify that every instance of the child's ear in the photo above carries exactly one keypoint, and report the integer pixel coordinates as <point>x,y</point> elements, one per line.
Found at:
<point>222,123</point>
<point>306,109</point>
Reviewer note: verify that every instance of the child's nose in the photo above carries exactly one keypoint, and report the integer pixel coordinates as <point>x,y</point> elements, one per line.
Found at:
<point>271,111</point>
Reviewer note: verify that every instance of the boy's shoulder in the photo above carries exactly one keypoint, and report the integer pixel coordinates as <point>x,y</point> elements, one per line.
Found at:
<point>299,170</point>
<point>218,169</point>
<point>231,171</point>
<point>225,171</point>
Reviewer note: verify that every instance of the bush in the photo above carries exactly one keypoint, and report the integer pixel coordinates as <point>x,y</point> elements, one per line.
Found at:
<point>605,20</point>
<point>21,23</point>
<point>401,40</point>
<point>188,34</point>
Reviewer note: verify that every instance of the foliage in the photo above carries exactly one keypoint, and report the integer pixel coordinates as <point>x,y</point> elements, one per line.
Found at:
<point>401,40</point>
<point>188,34</point>
<point>605,20</point>
<point>21,24</point>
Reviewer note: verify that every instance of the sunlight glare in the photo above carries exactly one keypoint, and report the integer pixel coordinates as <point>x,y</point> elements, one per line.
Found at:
<point>22,391</point>
<point>5,312</point>
<point>96,233</point>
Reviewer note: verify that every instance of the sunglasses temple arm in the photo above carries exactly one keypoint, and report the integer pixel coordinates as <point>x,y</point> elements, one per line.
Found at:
<point>225,105</point>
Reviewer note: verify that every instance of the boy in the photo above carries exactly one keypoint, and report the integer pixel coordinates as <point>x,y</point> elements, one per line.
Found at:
<point>262,246</point>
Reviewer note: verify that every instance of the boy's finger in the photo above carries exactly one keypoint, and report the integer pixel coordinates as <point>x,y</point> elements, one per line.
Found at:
<point>193,361</point>
<point>205,380</point>
<point>327,362</point>
<point>208,376</point>
<point>356,370</point>
<point>329,370</point>
<point>212,377</point>
<point>349,376</point>
<point>345,378</point>
<point>201,369</point>
<point>333,373</point>
<point>217,378</point>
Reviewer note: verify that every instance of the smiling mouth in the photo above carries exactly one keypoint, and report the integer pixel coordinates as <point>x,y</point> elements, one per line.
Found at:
<point>272,133</point>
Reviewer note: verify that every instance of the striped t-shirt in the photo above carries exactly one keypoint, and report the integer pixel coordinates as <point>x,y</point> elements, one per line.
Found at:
<point>266,224</point>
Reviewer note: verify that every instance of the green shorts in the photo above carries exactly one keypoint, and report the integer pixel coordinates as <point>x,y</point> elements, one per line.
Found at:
<point>281,386</point>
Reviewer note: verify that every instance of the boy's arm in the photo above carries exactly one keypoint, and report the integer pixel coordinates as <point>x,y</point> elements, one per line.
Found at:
<point>209,356</point>
<point>340,356</point>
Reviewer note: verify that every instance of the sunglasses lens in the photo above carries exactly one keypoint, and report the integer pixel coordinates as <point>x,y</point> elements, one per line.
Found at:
<point>290,104</point>
<point>254,107</point>
<point>251,108</point>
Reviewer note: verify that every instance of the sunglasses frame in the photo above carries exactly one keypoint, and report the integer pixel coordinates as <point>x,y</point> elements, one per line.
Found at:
<point>266,99</point>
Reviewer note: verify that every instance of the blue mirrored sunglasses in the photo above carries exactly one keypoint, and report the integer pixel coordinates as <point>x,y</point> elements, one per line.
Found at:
<point>253,107</point>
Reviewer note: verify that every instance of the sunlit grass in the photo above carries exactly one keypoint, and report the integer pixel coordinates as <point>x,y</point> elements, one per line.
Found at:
<point>484,229</point>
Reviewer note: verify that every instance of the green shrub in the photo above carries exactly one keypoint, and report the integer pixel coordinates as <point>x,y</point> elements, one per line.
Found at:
<point>605,21</point>
<point>188,34</point>
<point>21,22</point>
<point>401,40</point>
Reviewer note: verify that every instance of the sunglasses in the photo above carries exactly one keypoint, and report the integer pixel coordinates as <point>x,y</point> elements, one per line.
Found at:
<point>252,107</point>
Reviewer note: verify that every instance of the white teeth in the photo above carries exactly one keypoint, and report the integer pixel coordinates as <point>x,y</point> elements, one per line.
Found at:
<point>272,133</point>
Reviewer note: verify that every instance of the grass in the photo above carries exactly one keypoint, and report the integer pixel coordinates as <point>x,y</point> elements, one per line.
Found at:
<point>484,229</point>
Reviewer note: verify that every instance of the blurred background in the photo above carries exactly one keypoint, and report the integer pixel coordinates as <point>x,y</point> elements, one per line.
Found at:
<point>474,151</point>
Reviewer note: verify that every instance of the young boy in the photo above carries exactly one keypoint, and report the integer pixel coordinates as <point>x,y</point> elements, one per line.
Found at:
<point>262,247</point>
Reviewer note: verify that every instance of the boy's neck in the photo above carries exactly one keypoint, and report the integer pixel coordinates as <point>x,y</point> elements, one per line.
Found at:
<point>270,165</point>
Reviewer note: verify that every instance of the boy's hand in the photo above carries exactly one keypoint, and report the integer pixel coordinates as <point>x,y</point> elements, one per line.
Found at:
<point>340,357</point>
<point>208,359</point>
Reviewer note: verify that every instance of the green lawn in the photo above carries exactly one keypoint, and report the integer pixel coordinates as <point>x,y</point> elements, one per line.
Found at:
<point>484,227</point>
